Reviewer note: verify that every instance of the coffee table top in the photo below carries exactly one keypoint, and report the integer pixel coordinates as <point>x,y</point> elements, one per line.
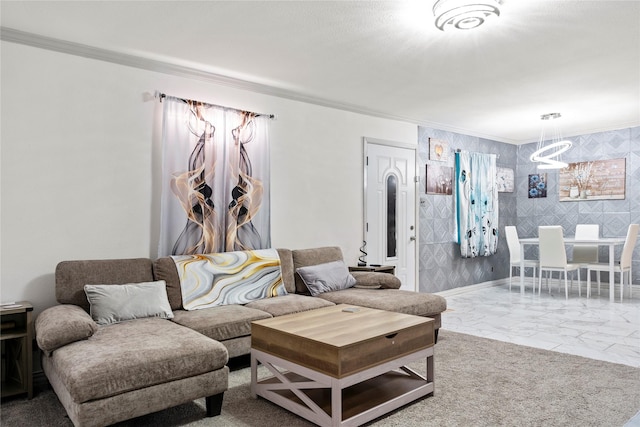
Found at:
<point>335,327</point>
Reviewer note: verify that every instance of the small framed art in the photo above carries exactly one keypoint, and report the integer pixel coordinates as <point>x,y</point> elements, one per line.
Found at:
<point>438,150</point>
<point>505,181</point>
<point>439,179</point>
<point>537,185</point>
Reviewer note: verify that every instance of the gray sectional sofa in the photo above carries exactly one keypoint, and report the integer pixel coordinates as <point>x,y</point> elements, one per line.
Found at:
<point>110,373</point>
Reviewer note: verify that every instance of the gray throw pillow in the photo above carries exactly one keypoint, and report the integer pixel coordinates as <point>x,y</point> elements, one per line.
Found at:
<point>116,303</point>
<point>327,277</point>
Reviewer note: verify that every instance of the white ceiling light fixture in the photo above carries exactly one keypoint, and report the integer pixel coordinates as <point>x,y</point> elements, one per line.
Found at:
<point>464,14</point>
<point>548,156</point>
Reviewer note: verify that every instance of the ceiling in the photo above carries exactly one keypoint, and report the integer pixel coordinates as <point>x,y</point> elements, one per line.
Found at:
<point>385,58</point>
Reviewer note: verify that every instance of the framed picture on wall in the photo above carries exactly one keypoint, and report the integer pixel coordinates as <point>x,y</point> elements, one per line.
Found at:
<point>438,150</point>
<point>593,180</point>
<point>537,185</point>
<point>439,179</point>
<point>505,180</point>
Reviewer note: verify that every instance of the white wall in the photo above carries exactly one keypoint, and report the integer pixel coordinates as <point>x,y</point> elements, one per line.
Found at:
<point>78,154</point>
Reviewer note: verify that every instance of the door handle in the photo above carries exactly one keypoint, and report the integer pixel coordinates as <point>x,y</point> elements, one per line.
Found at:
<point>412,238</point>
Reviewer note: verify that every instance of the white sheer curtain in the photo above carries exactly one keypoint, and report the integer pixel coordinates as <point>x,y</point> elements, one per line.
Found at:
<point>476,204</point>
<point>215,179</point>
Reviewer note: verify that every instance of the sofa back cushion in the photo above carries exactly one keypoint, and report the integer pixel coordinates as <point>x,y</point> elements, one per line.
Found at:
<point>165,269</point>
<point>315,256</point>
<point>286,264</point>
<point>71,276</point>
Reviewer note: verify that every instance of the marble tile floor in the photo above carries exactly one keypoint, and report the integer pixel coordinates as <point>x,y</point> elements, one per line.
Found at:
<point>595,328</point>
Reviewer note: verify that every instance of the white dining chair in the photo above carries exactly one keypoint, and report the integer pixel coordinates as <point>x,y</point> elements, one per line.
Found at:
<point>553,256</point>
<point>513,243</point>
<point>624,265</point>
<point>586,254</point>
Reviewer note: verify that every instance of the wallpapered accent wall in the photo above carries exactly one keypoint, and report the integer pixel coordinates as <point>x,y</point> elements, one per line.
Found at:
<point>440,264</point>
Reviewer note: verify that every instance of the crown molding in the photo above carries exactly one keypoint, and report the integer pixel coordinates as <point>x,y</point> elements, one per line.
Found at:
<point>86,51</point>
<point>78,49</point>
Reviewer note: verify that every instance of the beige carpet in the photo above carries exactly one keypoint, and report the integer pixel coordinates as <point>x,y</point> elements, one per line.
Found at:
<point>479,382</point>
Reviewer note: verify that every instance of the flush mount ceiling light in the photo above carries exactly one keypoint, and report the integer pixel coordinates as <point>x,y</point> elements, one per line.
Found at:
<point>548,155</point>
<point>464,14</point>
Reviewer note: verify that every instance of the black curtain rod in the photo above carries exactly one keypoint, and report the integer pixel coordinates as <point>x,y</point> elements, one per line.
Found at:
<point>162,96</point>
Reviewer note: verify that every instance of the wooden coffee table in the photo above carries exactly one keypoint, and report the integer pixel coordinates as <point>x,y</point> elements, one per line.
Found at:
<point>341,368</point>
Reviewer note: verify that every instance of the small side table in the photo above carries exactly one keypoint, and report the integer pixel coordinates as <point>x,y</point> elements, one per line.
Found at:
<point>391,269</point>
<point>16,335</point>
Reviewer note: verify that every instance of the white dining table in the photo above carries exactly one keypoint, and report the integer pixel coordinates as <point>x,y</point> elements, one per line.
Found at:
<point>611,242</point>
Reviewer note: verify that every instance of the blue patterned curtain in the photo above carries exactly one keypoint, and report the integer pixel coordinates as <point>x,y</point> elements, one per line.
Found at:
<point>476,204</point>
<point>215,189</point>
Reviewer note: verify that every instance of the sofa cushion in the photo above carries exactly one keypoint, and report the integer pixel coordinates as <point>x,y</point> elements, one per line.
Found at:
<point>222,322</point>
<point>306,257</point>
<point>165,269</point>
<point>292,303</point>
<point>375,280</point>
<point>327,277</point>
<point>71,276</point>
<point>133,355</point>
<point>397,300</point>
<point>116,303</point>
<point>286,265</point>
<point>60,325</point>
<point>238,346</point>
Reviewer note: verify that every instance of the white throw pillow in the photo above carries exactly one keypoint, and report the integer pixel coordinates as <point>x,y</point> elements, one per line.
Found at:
<point>116,303</point>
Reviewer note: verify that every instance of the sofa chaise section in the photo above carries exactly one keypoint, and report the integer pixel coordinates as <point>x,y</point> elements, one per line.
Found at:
<point>104,374</point>
<point>134,368</point>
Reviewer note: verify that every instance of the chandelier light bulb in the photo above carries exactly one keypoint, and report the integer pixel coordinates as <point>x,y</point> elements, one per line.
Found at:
<point>464,14</point>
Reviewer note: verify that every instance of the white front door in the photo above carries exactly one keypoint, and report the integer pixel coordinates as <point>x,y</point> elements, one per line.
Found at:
<point>390,208</point>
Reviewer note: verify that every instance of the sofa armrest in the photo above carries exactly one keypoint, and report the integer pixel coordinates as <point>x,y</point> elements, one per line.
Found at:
<point>63,324</point>
<point>375,280</point>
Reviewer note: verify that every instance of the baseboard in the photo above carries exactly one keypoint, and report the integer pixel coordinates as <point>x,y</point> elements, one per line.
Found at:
<point>516,284</point>
<point>469,288</point>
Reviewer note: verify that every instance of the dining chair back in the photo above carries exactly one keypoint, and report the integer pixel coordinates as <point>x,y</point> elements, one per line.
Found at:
<point>513,243</point>
<point>623,266</point>
<point>553,256</point>
<point>583,254</point>
<point>515,255</point>
<point>629,246</point>
<point>552,250</point>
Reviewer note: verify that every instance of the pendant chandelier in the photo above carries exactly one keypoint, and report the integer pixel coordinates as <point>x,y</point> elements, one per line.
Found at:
<point>464,14</point>
<point>548,152</point>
